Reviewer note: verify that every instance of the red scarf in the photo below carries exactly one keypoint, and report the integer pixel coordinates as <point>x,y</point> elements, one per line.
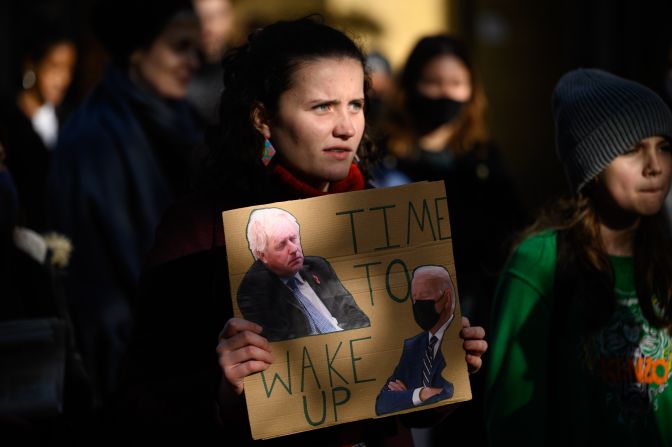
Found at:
<point>353,182</point>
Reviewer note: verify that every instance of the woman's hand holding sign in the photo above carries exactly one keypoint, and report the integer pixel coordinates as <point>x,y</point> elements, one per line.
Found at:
<point>242,351</point>
<point>474,344</point>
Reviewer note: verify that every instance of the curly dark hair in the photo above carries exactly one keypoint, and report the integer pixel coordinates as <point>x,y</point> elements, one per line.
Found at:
<point>257,73</point>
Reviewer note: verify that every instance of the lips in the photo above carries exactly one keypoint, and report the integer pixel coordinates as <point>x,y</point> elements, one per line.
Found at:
<point>296,260</point>
<point>338,153</point>
<point>652,190</point>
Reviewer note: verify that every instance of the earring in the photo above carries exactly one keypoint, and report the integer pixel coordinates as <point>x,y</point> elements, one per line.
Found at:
<point>28,80</point>
<point>268,152</point>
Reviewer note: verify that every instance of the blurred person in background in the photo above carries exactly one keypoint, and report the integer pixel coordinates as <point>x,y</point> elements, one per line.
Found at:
<point>217,19</point>
<point>382,87</point>
<point>438,132</point>
<point>121,160</point>
<point>32,119</point>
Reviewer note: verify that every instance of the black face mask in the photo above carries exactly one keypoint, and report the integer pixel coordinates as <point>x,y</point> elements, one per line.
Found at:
<point>430,113</point>
<point>425,314</point>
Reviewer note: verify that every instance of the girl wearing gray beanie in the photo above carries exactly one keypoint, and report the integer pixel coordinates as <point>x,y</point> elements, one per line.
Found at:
<point>582,346</point>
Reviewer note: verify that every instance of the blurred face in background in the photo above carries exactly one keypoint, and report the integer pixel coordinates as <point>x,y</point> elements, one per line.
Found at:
<point>445,77</point>
<point>166,66</point>
<point>216,18</point>
<point>53,73</point>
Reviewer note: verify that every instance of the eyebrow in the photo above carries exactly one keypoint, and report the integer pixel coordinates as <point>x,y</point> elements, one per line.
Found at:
<point>315,102</point>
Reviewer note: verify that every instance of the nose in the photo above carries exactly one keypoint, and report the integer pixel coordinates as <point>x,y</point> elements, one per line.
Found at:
<point>61,78</point>
<point>457,91</point>
<point>292,247</point>
<point>653,165</point>
<point>344,128</point>
<point>447,91</point>
<point>59,85</point>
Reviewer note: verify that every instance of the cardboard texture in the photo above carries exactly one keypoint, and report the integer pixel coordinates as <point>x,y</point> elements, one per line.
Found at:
<point>373,239</point>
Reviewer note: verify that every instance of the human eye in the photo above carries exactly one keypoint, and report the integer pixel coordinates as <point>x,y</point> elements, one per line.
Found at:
<point>182,45</point>
<point>322,107</point>
<point>357,105</point>
<point>430,82</point>
<point>665,147</point>
<point>456,82</point>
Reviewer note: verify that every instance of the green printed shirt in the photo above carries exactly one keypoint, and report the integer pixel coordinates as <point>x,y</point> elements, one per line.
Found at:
<point>617,390</point>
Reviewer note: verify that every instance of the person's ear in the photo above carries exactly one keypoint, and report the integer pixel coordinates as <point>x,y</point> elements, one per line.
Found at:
<point>449,299</point>
<point>262,257</point>
<point>260,120</point>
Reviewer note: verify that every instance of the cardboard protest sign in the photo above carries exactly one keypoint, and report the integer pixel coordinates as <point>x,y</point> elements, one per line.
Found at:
<point>330,279</point>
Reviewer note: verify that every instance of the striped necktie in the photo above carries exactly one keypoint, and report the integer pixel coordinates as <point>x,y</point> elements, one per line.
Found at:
<point>318,323</point>
<point>427,362</point>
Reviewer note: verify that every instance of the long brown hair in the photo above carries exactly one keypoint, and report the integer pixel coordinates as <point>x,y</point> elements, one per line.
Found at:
<point>470,127</point>
<point>578,219</point>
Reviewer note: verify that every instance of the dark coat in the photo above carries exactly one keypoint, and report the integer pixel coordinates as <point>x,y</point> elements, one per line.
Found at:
<point>28,160</point>
<point>117,167</point>
<point>172,374</point>
<point>264,299</point>
<point>409,371</point>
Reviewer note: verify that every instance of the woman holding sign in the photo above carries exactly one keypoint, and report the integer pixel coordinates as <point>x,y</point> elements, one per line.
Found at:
<point>292,126</point>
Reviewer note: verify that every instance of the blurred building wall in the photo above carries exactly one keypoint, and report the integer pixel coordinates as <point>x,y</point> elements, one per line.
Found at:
<point>389,26</point>
<point>402,23</point>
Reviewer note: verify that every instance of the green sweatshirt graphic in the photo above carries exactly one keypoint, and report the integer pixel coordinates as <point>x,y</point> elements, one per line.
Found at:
<point>614,388</point>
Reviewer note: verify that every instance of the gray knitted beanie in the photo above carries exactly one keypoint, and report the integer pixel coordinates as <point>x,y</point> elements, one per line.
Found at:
<point>599,116</point>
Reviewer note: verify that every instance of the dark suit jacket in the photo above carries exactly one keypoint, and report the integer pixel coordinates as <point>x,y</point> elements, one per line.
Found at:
<point>264,299</point>
<point>409,371</point>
